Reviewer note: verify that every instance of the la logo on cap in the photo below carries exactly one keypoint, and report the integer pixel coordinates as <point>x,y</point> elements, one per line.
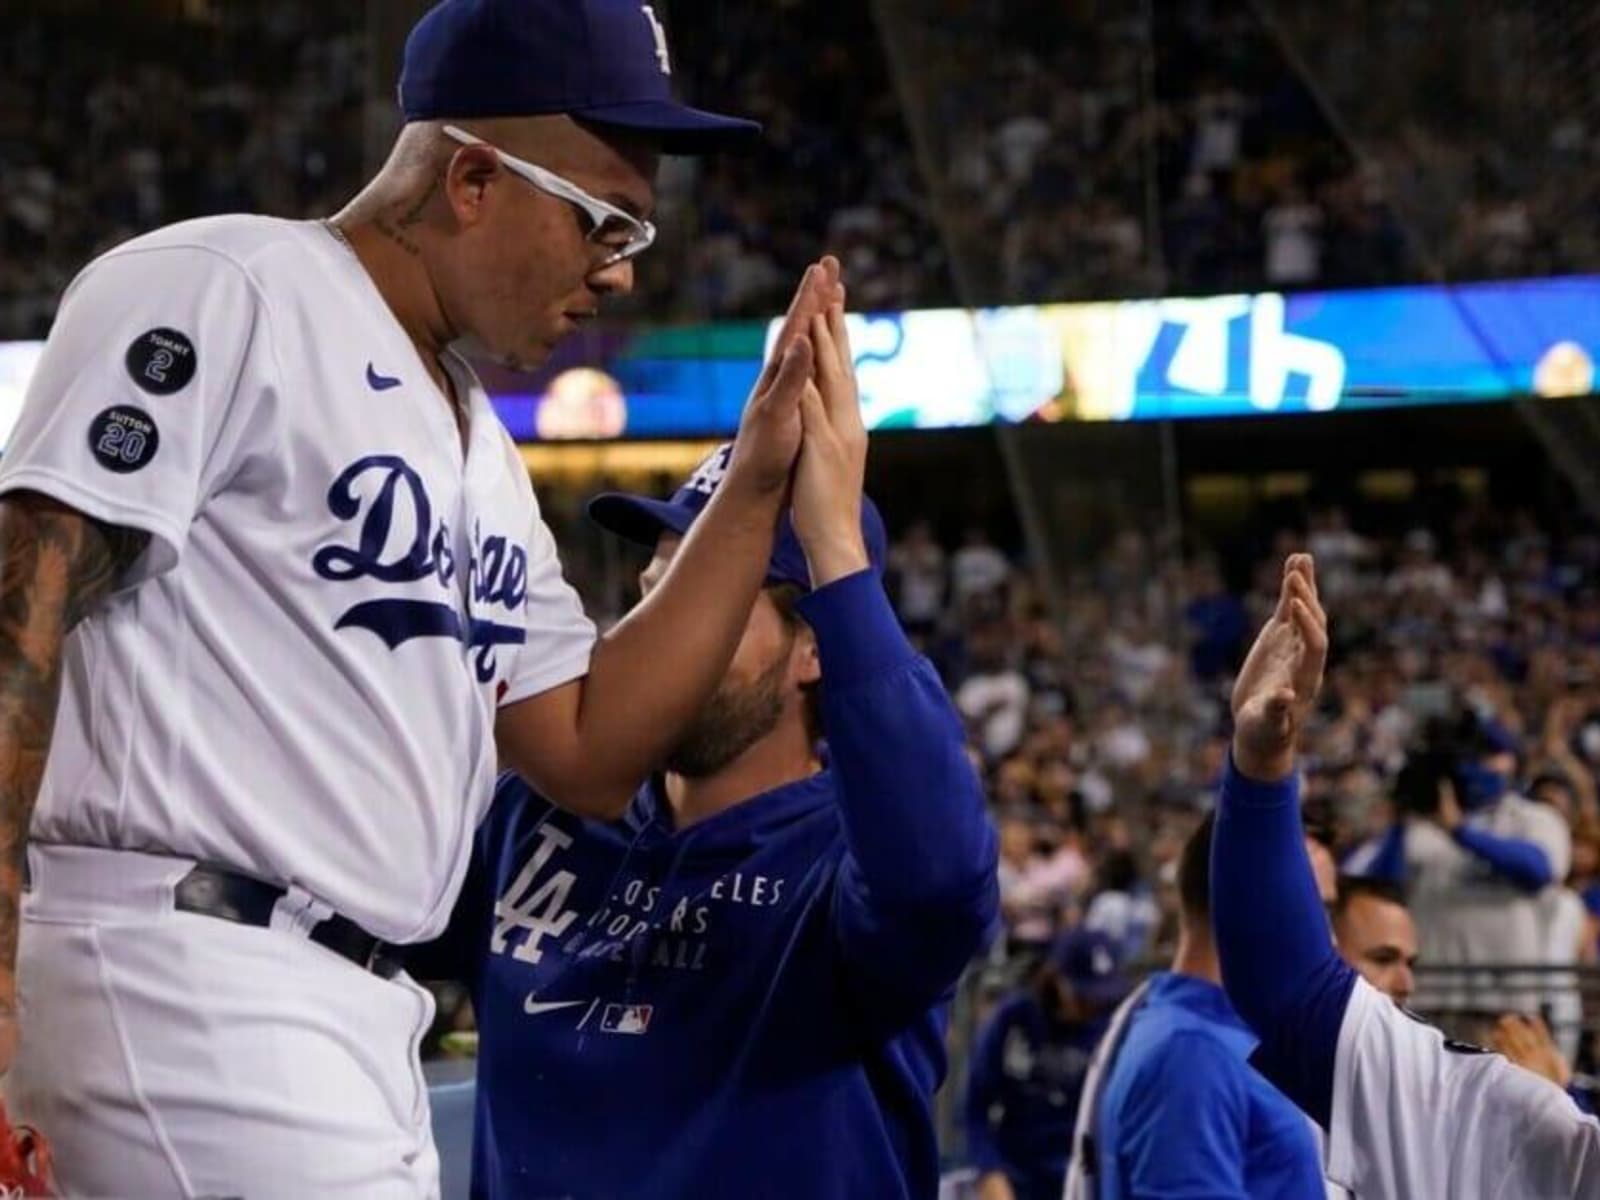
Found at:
<point>709,474</point>
<point>661,38</point>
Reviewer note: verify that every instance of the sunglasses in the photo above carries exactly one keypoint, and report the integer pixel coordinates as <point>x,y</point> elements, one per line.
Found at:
<point>615,230</point>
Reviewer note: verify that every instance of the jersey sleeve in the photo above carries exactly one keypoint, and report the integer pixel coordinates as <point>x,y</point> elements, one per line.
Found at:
<point>1414,1114</point>
<point>917,895</point>
<point>560,637</point>
<point>1278,961</point>
<point>125,415</point>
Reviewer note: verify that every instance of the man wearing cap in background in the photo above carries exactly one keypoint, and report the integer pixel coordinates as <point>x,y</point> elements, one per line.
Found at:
<point>741,988</point>
<point>1173,1106</point>
<point>275,583</point>
<point>1029,1064</point>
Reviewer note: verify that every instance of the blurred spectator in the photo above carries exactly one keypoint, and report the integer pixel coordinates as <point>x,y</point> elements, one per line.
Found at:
<point>1124,907</point>
<point>1293,228</point>
<point>978,571</point>
<point>1140,661</point>
<point>1476,857</point>
<point>917,569</point>
<point>1028,1067</point>
<point>1036,882</point>
<point>994,696</point>
<point>1374,932</point>
<point>1340,552</point>
<point>1216,621</point>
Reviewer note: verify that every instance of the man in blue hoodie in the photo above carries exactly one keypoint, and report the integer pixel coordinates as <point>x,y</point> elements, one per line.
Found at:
<point>740,989</point>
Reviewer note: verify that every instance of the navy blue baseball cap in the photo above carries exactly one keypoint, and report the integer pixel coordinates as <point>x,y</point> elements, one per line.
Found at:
<point>604,61</point>
<point>1087,960</point>
<point>641,519</point>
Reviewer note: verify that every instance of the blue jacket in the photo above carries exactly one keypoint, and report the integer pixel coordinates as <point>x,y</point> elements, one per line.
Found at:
<point>1184,1114</point>
<point>754,1006</point>
<point>1025,1079</point>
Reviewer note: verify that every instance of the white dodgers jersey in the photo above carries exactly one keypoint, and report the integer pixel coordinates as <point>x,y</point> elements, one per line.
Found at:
<point>1415,1115</point>
<point>299,678</point>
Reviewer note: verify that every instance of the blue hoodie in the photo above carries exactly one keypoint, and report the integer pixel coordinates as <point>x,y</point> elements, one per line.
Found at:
<point>754,1006</point>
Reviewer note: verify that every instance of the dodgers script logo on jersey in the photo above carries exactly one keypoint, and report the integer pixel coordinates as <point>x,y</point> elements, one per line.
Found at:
<point>497,570</point>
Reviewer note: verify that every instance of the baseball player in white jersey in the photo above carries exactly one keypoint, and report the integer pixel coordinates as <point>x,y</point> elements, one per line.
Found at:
<point>1408,1112</point>
<point>273,579</point>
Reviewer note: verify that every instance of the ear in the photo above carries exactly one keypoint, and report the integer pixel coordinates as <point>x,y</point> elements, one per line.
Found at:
<point>804,662</point>
<point>466,182</point>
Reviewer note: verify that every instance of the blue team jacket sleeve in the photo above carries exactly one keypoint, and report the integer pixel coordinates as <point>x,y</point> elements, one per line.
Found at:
<point>1524,864</point>
<point>917,894</point>
<point>983,1090</point>
<point>1184,1126</point>
<point>1278,962</point>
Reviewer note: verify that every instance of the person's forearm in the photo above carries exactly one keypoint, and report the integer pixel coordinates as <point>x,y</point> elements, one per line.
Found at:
<point>54,565</point>
<point>1278,962</point>
<point>654,671</point>
<point>1524,864</point>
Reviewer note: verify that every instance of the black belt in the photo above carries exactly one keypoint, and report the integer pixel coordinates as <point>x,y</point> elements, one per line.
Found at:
<point>216,892</point>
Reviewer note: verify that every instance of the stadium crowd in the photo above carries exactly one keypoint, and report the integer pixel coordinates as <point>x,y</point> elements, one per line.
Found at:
<point>1101,725</point>
<point>113,126</point>
<point>950,153</point>
<point>1102,736</point>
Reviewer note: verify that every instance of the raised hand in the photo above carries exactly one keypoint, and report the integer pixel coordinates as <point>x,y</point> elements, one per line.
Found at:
<point>1280,678</point>
<point>833,456</point>
<point>1526,1041</point>
<point>770,429</point>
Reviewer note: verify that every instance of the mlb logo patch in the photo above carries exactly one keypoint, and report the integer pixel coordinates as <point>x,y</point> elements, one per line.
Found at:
<point>626,1018</point>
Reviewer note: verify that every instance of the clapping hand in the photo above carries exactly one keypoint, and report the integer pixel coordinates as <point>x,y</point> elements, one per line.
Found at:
<point>1280,678</point>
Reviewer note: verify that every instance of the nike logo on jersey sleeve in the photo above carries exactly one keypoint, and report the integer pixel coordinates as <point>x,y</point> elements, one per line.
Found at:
<point>534,1007</point>
<point>380,383</point>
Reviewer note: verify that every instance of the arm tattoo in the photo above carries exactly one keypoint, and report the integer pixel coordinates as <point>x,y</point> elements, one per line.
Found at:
<point>56,565</point>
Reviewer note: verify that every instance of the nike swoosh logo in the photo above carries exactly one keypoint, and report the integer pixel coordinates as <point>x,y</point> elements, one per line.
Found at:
<point>380,383</point>
<point>534,1007</point>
